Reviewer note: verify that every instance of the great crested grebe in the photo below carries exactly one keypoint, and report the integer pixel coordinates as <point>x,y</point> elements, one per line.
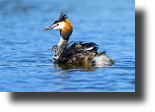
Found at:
<point>78,52</point>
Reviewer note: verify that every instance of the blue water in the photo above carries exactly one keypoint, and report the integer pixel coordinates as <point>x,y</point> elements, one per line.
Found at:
<point>26,63</point>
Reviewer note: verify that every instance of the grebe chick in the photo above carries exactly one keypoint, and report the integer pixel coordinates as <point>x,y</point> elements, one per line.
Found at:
<point>78,52</point>
<point>57,53</point>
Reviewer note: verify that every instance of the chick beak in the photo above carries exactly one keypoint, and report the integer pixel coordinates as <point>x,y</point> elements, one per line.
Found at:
<point>50,48</point>
<point>48,28</point>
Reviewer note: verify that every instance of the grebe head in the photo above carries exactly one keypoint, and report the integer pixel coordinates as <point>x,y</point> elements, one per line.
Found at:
<point>57,53</point>
<point>62,24</point>
<point>58,24</point>
<point>55,48</point>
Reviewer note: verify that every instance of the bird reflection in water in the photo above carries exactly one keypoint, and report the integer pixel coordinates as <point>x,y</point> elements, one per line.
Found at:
<point>69,68</point>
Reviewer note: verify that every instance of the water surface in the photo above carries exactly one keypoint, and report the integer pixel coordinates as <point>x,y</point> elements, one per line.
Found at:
<point>26,63</point>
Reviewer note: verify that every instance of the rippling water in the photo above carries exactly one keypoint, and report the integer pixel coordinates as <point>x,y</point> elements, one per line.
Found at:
<point>26,63</point>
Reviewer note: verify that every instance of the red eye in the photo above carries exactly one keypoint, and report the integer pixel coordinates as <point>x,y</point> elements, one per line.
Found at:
<point>57,24</point>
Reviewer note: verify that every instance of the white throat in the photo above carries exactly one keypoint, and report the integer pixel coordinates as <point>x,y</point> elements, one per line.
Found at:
<point>61,42</point>
<point>55,57</point>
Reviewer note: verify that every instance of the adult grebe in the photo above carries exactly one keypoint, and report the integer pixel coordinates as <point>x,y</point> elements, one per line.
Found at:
<point>77,52</point>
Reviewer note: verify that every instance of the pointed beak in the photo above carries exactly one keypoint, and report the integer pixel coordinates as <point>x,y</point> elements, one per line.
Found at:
<point>50,48</point>
<point>48,28</point>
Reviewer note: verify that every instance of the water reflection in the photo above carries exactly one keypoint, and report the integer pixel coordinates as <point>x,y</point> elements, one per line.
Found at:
<point>75,67</point>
